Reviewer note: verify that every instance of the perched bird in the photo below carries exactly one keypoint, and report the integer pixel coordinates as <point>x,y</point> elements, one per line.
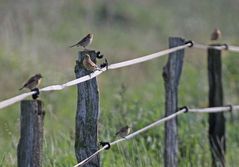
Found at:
<point>89,64</point>
<point>216,34</point>
<point>87,40</point>
<point>32,82</point>
<point>123,131</point>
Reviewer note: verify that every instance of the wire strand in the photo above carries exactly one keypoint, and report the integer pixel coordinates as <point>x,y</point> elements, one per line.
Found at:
<point>148,57</point>
<point>18,98</point>
<point>215,109</point>
<point>233,48</point>
<point>203,46</point>
<point>222,47</point>
<point>160,121</point>
<point>90,157</point>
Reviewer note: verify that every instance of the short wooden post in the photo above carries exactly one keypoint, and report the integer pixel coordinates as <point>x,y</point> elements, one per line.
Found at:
<point>171,74</point>
<point>29,150</point>
<point>216,132</point>
<point>87,114</point>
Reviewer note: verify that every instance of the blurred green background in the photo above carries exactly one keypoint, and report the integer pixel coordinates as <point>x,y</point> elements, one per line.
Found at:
<point>35,35</point>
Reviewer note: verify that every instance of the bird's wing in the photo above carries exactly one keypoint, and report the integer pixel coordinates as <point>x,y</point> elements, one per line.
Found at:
<point>125,128</point>
<point>119,131</point>
<point>92,63</point>
<point>78,43</point>
<point>83,40</point>
<point>212,36</point>
<point>32,79</point>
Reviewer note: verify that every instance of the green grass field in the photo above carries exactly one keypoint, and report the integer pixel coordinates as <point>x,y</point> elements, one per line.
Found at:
<point>35,35</point>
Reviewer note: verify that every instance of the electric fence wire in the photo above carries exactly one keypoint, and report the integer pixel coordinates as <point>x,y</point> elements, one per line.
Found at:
<point>20,97</point>
<point>226,108</point>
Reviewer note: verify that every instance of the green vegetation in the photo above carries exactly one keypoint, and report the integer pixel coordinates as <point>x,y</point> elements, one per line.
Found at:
<point>35,35</point>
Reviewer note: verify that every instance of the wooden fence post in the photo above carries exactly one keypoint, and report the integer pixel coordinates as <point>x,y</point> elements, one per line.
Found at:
<point>87,114</point>
<point>216,132</point>
<point>29,150</point>
<point>171,74</point>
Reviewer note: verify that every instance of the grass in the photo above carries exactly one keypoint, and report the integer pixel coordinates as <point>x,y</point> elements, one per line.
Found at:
<point>35,38</point>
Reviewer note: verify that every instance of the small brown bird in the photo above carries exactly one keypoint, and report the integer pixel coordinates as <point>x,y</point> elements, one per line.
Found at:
<point>123,131</point>
<point>89,64</point>
<point>87,40</point>
<point>32,82</point>
<point>216,34</point>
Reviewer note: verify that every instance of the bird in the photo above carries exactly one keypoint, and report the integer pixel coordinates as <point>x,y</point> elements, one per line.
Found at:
<point>32,82</point>
<point>123,131</point>
<point>87,40</point>
<point>216,34</point>
<point>89,64</point>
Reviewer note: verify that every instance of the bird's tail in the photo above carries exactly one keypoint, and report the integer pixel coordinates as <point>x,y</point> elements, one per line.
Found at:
<point>21,88</point>
<point>73,45</point>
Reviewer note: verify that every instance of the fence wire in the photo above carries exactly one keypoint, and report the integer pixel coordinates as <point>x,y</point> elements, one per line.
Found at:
<point>160,121</point>
<point>233,48</point>
<point>221,47</point>
<point>18,98</point>
<point>205,47</point>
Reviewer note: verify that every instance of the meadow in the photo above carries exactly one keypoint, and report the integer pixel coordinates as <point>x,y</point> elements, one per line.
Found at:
<point>35,35</point>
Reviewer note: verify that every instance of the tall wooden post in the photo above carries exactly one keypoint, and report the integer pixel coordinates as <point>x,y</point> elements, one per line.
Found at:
<point>216,132</point>
<point>171,74</point>
<point>29,150</point>
<point>87,114</point>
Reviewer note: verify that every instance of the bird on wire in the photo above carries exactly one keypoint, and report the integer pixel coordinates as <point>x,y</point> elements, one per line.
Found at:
<point>124,131</point>
<point>216,34</point>
<point>32,82</point>
<point>89,64</point>
<point>86,41</point>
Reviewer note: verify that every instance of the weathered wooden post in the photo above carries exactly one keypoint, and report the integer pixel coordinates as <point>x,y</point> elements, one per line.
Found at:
<point>87,114</point>
<point>171,74</point>
<point>216,132</point>
<point>29,150</point>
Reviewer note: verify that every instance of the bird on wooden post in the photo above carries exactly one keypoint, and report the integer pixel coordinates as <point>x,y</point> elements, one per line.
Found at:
<point>123,131</point>
<point>216,34</point>
<point>86,41</point>
<point>89,64</point>
<point>33,82</point>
